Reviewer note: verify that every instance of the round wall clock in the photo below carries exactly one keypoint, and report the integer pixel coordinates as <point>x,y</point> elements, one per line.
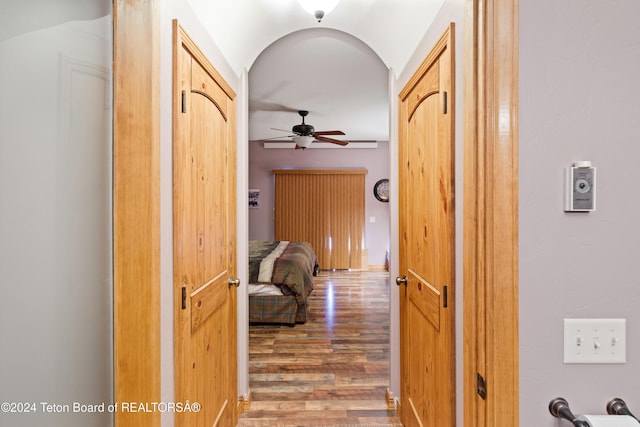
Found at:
<point>381,190</point>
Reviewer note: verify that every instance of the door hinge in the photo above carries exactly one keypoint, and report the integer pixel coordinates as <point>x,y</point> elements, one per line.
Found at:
<point>445,296</point>
<point>482,387</point>
<point>444,102</point>
<point>184,297</point>
<point>184,101</point>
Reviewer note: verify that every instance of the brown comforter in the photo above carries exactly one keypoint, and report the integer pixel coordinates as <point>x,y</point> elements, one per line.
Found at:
<point>292,268</point>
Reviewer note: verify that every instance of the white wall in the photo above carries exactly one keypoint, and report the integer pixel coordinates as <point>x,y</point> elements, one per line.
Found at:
<point>55,217</point>
<point>579,100</point>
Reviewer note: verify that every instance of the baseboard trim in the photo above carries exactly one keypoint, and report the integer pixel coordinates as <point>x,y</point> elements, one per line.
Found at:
<point>391,401</point>
<point>244,403</point>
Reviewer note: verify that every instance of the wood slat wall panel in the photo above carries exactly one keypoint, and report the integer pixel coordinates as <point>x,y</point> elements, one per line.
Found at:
<point>136,209</point>
<point>324,208</point>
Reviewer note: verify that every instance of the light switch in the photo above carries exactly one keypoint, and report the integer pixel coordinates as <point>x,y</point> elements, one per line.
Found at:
<point>595,340</point>
<point>372,219</point>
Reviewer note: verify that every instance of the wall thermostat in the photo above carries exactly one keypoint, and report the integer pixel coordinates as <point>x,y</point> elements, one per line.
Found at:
<point>580,187</point>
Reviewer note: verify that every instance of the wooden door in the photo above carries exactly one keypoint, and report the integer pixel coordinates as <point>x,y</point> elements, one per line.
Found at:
<point>204,233</point>
<point>426,175</point>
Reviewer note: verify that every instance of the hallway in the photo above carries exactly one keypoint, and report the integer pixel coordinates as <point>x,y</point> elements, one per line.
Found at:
<point>332,370</point>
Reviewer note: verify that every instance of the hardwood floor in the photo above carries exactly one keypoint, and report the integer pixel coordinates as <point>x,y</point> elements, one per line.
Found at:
<point>332,370</point>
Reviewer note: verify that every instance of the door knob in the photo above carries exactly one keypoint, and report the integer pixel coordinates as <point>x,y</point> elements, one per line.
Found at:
<point>401,280</point>
<point>233,282</point>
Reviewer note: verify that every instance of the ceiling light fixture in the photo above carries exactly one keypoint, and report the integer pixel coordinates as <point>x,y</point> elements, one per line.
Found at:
<point>318,8</point>
<point>303,141</point>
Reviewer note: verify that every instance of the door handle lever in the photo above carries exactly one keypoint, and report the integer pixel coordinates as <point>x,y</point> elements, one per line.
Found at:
<point>401,280</point>
<point>233,282</point>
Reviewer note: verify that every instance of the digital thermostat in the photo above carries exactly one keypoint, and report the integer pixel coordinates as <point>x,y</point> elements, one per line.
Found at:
<point>580,187</point>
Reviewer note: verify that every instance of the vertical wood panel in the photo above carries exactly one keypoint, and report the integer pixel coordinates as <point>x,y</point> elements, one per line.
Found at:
<point>491,212</point>
<point>324,208</point>
<point>136,214</point>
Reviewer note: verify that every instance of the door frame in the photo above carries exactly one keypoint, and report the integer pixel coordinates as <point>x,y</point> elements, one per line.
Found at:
<point>136,208</point>
<point>490,257</point>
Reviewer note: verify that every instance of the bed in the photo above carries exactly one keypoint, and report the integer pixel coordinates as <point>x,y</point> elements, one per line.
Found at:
<point>280,281</point>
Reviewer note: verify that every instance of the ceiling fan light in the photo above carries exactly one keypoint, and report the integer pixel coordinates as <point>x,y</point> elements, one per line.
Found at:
<point>303,141</point>
<point>318,8</point>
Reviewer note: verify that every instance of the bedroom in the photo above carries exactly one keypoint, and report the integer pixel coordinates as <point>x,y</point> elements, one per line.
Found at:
<point>353,97</point>
<point>276,91</point>
<point>355,94</point>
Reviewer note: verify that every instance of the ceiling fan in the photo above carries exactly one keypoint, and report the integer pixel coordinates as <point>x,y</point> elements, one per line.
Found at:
<point>304,134</point>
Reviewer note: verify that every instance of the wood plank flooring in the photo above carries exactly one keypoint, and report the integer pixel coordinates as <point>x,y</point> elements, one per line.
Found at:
<point>332,370</point>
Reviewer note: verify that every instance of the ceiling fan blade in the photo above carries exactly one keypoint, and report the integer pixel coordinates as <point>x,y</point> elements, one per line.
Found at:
<point>329,132</point>
<point>282,130</point>
<point>277,137</point>
<point>331,140</point>
<point>255,105</point>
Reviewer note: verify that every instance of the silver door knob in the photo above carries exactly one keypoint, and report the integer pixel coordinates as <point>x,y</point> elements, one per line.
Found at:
<point>401,280</point>
<point>233,282</point>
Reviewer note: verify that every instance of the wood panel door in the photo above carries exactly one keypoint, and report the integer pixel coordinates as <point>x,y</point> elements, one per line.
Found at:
<point>204,234</point>
<point>426,175</point>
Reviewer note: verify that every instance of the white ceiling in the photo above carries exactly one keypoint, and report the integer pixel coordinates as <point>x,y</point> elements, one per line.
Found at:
<point>337,69</point>
<point>335,76</point>
<point>244,28</point>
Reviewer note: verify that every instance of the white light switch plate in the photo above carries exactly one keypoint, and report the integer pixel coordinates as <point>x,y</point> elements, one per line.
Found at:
<point>595,340</point>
